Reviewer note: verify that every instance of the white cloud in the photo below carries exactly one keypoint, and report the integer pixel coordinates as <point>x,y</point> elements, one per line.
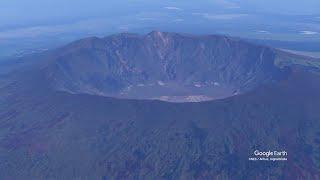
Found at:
<point>178,20</point>
<point>147,19</point>
<point>264,32</point>
<point>308,32</point>
<point>124,28</point>
<point>226,4</point>
<point>151,16</point>
<point>220,16</point>
<point>28,32</point>
<point>173,8</point>
<point>36,31</point>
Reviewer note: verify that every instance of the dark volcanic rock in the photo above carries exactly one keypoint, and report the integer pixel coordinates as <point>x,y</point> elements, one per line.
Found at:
<point>162,64</point>
<point>78,134</point>
<point>57,135</point>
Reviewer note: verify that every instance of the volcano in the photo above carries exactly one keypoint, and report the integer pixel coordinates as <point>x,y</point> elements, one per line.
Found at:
<point>159,106</point>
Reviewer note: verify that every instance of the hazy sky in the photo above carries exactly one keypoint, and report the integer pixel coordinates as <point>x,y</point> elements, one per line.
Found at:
<point>30,24</point>
<point>24,12</point>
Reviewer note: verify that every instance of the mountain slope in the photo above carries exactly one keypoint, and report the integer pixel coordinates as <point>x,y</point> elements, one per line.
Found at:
<point>56,123</point>
<point>48,134</point>
<point>162,64</point>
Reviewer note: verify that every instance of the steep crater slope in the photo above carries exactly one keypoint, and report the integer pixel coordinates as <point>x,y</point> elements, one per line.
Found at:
<point>48,135</point>
<point>159,65</point>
